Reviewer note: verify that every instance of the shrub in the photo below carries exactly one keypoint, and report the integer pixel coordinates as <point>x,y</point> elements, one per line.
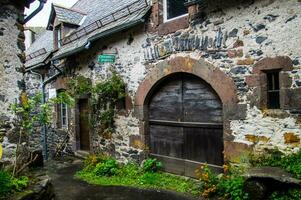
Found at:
<point>275,158</point>
<point>108,167</point>
<point>92,160</point>
<point>9,184</point>
<point>130,170</point>
<point>151,165</point>
<point>228,185</point>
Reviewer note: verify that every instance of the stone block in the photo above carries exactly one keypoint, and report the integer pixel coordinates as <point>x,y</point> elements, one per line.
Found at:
<point>280,62</point>
<point>233,151</point>
<point>173,26</point>
<point>235,111</point>
<point>291,139</point>
<point>238,43</point>
<point>247,61</point>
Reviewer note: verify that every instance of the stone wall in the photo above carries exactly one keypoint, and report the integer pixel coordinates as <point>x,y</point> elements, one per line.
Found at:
<point>233,38</point>
<point>12,58</point>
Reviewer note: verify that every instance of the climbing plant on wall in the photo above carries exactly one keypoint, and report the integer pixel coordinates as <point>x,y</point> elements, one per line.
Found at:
<point>104,97</point>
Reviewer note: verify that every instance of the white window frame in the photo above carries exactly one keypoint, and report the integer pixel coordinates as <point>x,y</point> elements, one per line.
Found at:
<point>66,117</point>
<point>165,13</point>
<point>59,36</point>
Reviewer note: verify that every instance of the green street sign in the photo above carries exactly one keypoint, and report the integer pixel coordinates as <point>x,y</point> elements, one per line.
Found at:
<point>106,58</point>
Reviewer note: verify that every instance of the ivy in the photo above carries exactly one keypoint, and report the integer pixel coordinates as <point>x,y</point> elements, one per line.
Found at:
<point>79,86</point>
<point>104,98</point>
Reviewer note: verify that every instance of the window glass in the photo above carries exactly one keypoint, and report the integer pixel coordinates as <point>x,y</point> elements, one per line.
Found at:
<point>64,115</point>
<point>273,90</point>
<point>59,36</point>
<point>175,8</point>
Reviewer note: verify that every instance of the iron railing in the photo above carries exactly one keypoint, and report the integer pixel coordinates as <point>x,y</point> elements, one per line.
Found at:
<point>118,14</point>
<point>36,54</point>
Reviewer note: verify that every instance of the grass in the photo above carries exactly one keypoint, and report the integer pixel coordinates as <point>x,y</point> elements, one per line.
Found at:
<point>134,176</point>
<point>275,158</point>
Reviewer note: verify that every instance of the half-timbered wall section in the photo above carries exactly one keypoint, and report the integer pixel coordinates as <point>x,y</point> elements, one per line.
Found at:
<point>198,84</point>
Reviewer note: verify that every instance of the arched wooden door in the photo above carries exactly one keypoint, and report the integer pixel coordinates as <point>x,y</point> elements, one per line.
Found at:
<point>185,124</point>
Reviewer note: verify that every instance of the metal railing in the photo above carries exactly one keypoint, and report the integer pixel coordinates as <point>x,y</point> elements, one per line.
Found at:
<point>118,14</point>
<point>36,54</point>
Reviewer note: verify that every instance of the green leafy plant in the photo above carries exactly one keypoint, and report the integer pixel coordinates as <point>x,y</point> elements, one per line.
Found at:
<point>104,98</point>
<point>9,184</point>
<point>79,86</point>
<point>290,163</point>
<point>131,174</point>
<point>108,167</point>
<point>151,165</point>
<point>32,110</point>
<point>228,185</point>
<point>292,194</point>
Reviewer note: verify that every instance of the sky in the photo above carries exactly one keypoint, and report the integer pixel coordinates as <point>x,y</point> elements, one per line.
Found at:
<point>41,19</point>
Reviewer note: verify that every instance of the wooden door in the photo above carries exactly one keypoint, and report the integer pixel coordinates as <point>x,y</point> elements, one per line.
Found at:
<point>84,132</point>
<point>185,124</point>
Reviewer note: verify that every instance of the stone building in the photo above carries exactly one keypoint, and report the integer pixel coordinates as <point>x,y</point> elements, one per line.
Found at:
<point>206,81</point>
<point>12,60</point>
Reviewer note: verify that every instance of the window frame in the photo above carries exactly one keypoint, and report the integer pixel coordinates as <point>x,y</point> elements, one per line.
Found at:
<point>59,35</point>
<point>165,13</point>
<point>64,106</point>
<point>273,90</point>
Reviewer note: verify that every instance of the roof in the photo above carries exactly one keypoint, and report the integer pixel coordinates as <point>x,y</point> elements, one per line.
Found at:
<point>95,11</point>
<point>45,41</point>
<point>65,15</point>
<point>125,21</point>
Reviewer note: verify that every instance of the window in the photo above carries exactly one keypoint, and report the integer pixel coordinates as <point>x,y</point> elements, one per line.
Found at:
<point>174,9</point>
<point>59,37</point>
<point>64,115</point>
<point>273,90</point>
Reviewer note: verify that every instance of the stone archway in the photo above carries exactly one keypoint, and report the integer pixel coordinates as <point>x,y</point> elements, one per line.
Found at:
<point>222,84</point>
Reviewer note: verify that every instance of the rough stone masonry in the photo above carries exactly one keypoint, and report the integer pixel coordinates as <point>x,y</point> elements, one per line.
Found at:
<point>236,43</point>
<point>12,59</point>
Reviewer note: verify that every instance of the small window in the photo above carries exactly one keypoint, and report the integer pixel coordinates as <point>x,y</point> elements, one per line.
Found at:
<point>59,37</point>
<point>64,115</point>
<point>174,9</point>
<point>273,90</point>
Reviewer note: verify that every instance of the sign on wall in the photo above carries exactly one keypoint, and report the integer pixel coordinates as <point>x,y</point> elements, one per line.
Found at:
<point>52,93</point>
<point>106,58</point>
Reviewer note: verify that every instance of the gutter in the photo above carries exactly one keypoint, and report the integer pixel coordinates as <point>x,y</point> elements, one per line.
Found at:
<point>35,12</point>
<point>29,69</point>
<point>98,36</point>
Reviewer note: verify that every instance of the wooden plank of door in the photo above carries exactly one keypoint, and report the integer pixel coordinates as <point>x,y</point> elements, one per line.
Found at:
<point>166,103</point>
<point>200,102</point>
<point>166,140</point>
<point>171,164</point>
<point>204,145</point>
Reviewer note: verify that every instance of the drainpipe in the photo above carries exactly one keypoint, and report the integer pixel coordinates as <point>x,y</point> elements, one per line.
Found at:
<point>36,11</point>
<point>44,128</point>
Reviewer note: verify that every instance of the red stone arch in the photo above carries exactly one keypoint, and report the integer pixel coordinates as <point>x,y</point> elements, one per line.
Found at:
<point>219,81</point>
<point>222,84</point>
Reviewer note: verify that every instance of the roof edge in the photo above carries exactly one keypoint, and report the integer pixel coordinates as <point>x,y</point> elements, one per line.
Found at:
<point>98,36</point>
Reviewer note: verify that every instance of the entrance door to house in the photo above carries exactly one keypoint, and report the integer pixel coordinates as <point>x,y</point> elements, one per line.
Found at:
<point>84,135</point>
<point>185,124</point>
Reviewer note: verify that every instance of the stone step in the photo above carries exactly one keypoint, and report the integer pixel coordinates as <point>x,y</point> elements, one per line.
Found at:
<point>82,154</point>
